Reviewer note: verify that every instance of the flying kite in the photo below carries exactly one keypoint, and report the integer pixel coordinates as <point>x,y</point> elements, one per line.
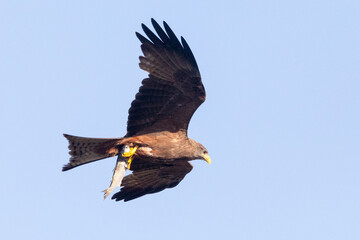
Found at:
<point>156,147</point>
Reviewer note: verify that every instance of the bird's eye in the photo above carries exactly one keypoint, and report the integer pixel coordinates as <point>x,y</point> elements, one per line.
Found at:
<point>205,152</point>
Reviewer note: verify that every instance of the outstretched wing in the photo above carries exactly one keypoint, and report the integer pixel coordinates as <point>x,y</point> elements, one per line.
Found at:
<point>152,180</point>
<point>173,91</point>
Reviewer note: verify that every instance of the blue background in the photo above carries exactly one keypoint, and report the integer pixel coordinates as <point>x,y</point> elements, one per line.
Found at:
<point>281,120</point>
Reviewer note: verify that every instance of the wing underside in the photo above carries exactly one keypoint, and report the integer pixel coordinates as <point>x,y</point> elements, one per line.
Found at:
<point>152,179</point>
<point>173,91</point>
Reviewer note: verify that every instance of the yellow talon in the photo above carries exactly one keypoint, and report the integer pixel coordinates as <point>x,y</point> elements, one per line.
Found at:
<point>130,155</point>
<point>130,152</point>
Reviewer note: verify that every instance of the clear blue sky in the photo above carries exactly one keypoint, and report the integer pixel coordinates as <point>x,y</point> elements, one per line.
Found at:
<point>281,120</point>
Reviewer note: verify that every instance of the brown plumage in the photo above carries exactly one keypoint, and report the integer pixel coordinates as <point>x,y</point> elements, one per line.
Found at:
<point>158,119</point>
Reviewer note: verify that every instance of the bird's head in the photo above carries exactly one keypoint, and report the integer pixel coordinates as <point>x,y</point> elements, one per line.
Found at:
<point>202,153</point>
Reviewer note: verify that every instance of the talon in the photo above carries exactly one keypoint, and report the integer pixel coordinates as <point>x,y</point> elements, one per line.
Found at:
<point>130,152</point>
<point>130,155</point>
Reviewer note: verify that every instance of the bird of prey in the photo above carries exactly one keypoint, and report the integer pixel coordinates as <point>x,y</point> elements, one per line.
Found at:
<point>156,147</point>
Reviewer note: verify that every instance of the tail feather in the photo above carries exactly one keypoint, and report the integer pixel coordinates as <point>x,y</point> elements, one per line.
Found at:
<point>84,150</point>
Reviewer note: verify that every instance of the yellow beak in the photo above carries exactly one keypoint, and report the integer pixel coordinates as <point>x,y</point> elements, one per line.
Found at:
<point>207,158</point>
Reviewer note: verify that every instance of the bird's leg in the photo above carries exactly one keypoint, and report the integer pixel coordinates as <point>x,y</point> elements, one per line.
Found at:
<point>130,155</point>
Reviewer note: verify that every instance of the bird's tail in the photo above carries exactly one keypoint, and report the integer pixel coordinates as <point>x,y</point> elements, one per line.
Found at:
<point>84,150</point>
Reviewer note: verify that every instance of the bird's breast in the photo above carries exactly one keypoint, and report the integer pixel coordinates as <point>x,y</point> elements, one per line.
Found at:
<point>162,145</point>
